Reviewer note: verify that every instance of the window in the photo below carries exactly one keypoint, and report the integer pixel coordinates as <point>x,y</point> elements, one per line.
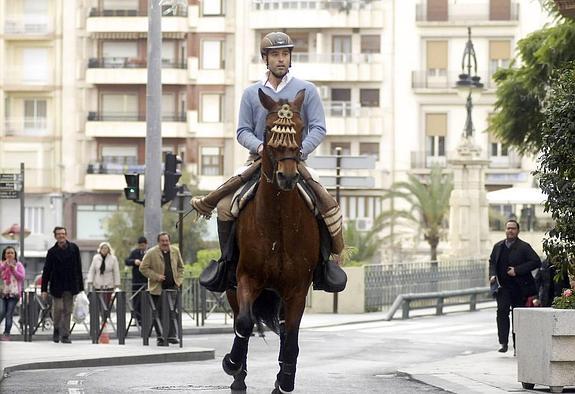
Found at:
<point>90,221</point>
<point>340,102</point>
<point>435,132</point>
<point>120,154</point>
<point>169,52</point>
<point>212,161</point>
<point>212,8</point>
<point>35,113</point>
<point>369,97</point>
<point>341,48</point>
<point>35,65</point>
<point>115,53</point>
<point>370,43</point>
<point>34,219</point>
<point>168,107</point>
<point>211,107</point>
<point>118,106</point>
<point>499,54</point>
<point>345,148</point>
<point>436,58</point>
<point>496,148</point>
<point>369,149</point>
<point>212,55</point>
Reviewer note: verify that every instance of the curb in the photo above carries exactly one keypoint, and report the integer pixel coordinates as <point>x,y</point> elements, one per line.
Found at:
<point>193,355</point>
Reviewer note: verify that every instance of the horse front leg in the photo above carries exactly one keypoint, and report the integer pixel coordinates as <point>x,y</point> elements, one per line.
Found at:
<point>235,362</point>
<point>289,347</point>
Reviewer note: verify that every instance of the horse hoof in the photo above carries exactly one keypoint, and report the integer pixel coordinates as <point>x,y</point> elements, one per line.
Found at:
<point>230,367</point>
<point>239,384</point>
<point>277,389</point>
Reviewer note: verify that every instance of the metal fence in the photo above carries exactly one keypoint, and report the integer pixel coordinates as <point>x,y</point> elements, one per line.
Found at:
<point>383,283</point>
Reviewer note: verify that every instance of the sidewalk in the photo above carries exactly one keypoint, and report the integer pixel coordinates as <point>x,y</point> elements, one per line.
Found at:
<point>489,372</point>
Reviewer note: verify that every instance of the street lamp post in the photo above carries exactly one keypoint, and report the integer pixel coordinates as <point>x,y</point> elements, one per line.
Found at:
<point>468,211</point>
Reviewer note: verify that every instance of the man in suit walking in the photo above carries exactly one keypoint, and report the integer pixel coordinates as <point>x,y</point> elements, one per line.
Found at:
<point>510,265</point>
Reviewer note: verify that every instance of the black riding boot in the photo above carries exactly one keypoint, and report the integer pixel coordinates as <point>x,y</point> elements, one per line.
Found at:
<point>327,276</point>
<point>220,275</point>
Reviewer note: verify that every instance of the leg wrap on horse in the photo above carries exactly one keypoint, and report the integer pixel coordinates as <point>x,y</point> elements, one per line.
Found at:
<point>328,208</point>
<point>205,205</point>
<point>286,377</point>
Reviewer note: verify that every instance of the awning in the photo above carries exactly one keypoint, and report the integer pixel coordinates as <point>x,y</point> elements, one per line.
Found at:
<point>517,195</point>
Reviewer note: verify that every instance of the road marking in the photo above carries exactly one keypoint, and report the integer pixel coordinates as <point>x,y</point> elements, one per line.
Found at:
<point>73,382</point>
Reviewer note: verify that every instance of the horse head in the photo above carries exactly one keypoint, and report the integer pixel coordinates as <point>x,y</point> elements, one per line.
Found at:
<point>282,141</point>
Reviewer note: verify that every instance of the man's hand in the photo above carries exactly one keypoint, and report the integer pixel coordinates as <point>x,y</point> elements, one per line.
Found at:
<point>137,262</point>
<point>511,271</point>
<point>162,278</point>
<point>260,149</point>
<point>492,279</point>
<point>44,296</point>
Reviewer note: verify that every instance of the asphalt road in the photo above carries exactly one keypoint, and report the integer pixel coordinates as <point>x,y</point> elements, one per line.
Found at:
<point>357,358</point>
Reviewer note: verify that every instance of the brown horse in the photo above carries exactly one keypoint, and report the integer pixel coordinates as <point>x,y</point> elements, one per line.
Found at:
<point>279,247</point>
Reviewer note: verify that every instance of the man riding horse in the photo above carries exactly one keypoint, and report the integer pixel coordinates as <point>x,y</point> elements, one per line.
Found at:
<point>278,83</point>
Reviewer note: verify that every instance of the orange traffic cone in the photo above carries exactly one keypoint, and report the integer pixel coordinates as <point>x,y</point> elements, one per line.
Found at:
<point>104,337</point>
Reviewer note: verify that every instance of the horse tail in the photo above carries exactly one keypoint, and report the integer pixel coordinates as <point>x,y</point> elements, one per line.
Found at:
<point>266,309</point>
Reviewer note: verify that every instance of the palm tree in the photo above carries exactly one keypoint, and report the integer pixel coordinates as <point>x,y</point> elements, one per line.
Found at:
<point>429,201</point>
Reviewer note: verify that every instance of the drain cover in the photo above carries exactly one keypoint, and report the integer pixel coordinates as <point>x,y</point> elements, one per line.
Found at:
<point>188,387</point>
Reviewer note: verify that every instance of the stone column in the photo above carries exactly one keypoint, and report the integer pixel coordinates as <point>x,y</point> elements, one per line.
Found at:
<point>468,213</point>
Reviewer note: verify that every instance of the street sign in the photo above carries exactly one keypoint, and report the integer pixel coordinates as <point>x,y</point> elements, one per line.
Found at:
<point>10,182</point>
<point>9,194</point>
<point>360,182</point>
<point>347,162</point>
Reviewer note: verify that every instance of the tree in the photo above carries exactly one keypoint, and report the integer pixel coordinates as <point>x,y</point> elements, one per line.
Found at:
<point>429,202</point>
<point>125,226</point>
<point>522,92</point>
<point>557,168</point>
<point>363,244</point>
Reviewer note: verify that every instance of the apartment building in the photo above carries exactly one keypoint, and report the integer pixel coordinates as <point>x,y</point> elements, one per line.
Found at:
<point>73,81</point>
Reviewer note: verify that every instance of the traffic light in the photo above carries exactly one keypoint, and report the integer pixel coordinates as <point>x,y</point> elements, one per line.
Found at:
<point>132,192</point>
<point>171,176</point>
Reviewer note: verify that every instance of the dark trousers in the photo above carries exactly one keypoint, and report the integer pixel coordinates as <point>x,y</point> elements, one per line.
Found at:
<point>507,299</point>
<point>137,300</point>
<point>158,304</point>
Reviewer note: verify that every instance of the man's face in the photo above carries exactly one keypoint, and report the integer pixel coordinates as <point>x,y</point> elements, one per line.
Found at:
<point>511,231</point>
<point>60,236</point>
<point>142,246</point>
<point>164,243</point>
<point>278,61</point>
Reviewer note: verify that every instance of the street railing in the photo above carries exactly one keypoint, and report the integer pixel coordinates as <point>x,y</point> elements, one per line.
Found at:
<point>384,282</point>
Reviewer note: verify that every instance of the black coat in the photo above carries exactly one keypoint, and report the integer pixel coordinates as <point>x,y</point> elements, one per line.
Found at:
<point>548,288</point>
<point>137,277</point>
<point>63,270</point>
<point>524,260</point>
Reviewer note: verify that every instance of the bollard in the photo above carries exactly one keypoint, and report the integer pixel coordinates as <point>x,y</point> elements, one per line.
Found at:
<point>146,309</point>
<point>179,310</point>
<point>439,306</point>
<point>94,316</point>
<point>165,316</point>
<point>405,312</point>
<point>121,316</point>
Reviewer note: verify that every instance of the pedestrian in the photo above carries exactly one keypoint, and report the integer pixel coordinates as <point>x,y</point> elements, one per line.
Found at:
<point>164,268</point>
<point>139,281</point>
<point>104,272</point>
<point>12,274</point>
<point>278,83</point>
<point>62,277</point>
<point>547,287</point>
<point>510,265</point>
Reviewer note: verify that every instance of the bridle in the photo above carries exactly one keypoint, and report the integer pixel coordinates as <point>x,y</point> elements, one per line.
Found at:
<point>285,114</point>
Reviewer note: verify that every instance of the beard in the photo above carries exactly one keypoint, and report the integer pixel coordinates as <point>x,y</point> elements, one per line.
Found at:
<point>280,75</point>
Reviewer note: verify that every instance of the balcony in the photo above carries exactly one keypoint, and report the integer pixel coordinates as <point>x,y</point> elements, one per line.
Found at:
<point>317,14</point>
<point>202,129</point>
<point>19,127</point>
<point>134,21</point>
<point>331,67</point>
<point>345,118</point>
<point>443,81</point>
<point>110,176</point>
<point>121,70</point>
<point>28,26</point>
<point>422,159</point>
<point>201,76</point>
<point>461,14</point>
<point>29,77</point>
<point>131,124</point>
<point>512,160</point>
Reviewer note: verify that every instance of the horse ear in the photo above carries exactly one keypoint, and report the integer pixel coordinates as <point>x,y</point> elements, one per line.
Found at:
<point>298,101</point>
<point>266,100</point>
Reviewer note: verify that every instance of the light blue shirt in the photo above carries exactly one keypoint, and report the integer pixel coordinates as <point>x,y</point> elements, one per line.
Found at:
<point>252,116</point>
